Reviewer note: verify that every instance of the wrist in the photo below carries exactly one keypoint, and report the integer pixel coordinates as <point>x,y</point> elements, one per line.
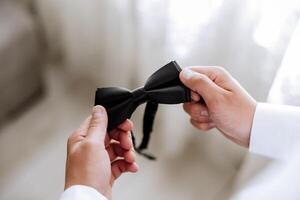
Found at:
<point>250,117</point>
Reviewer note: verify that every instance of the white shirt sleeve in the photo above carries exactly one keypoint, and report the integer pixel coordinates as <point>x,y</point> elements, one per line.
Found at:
<point>81,192</point>
<point>275,131</point>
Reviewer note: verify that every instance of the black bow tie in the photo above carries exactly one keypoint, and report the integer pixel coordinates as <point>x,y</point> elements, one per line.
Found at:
<point>162,87</point>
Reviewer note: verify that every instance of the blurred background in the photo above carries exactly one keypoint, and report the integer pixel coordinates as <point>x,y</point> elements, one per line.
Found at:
<point>55,53</point>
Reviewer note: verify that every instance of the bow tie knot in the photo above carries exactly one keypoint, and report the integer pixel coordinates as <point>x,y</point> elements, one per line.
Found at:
<point>140,96</point>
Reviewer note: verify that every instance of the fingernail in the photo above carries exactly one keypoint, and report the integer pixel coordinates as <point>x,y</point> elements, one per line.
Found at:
<point>187,73</point>
<point>204,113</point>
<point>97,111</point>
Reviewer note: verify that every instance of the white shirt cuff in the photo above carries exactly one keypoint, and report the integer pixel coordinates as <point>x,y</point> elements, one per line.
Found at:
<point>81,192</point>
<point>275,131</point>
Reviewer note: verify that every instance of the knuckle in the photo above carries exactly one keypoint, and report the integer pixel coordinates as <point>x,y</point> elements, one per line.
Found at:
<point>72,137</point>
<point>130,124</point>
<point>219,69</point>
<point>95,123</point>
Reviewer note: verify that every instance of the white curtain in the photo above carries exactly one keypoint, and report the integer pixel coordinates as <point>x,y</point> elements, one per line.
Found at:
<point>132,36</point>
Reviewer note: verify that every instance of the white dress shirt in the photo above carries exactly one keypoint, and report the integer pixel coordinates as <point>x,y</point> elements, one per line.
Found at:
<point>81,192</point>
<point>275,133</point>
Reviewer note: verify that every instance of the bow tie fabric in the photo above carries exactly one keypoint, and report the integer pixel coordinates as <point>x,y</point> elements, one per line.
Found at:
<point>162,87</point>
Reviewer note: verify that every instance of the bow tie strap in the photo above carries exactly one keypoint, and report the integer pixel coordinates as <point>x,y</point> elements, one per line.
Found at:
<point>147,155</point>
<point>149,116</point>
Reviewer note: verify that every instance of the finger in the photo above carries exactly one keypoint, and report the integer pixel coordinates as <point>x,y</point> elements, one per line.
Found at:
<point>195,96</point>
<point>115,151</point>
<point>98,124</point>
<point>127,125</point>
<point>196,109</point>
<point>201,84</point>
<point>123,137</point>
<point>217,74</point>
<point>121,166</point>
<point>126,141</point>
<point>129,156</point>
<point>203,126</point>
<point>107,140</point>
<point>201,119</point>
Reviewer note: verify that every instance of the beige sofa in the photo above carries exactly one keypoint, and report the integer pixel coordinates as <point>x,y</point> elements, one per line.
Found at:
<point>20,59</point>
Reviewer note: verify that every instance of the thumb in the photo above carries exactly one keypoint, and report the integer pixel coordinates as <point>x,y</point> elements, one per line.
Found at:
<point>98,124</point>
<point>200,84</point>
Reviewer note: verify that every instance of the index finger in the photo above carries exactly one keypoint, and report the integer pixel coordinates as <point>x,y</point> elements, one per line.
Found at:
<point>127,125</point>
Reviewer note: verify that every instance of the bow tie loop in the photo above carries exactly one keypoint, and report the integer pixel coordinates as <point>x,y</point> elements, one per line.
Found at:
<point>169,95</point>
<point>111,96</point>
<point>166,76</point>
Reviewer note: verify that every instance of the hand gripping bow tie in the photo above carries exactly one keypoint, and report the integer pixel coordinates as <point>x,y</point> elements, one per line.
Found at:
<point>162,87</point>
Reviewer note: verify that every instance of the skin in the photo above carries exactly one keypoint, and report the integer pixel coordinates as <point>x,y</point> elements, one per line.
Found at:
<point>228,107</point>
<point>97,159</point>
